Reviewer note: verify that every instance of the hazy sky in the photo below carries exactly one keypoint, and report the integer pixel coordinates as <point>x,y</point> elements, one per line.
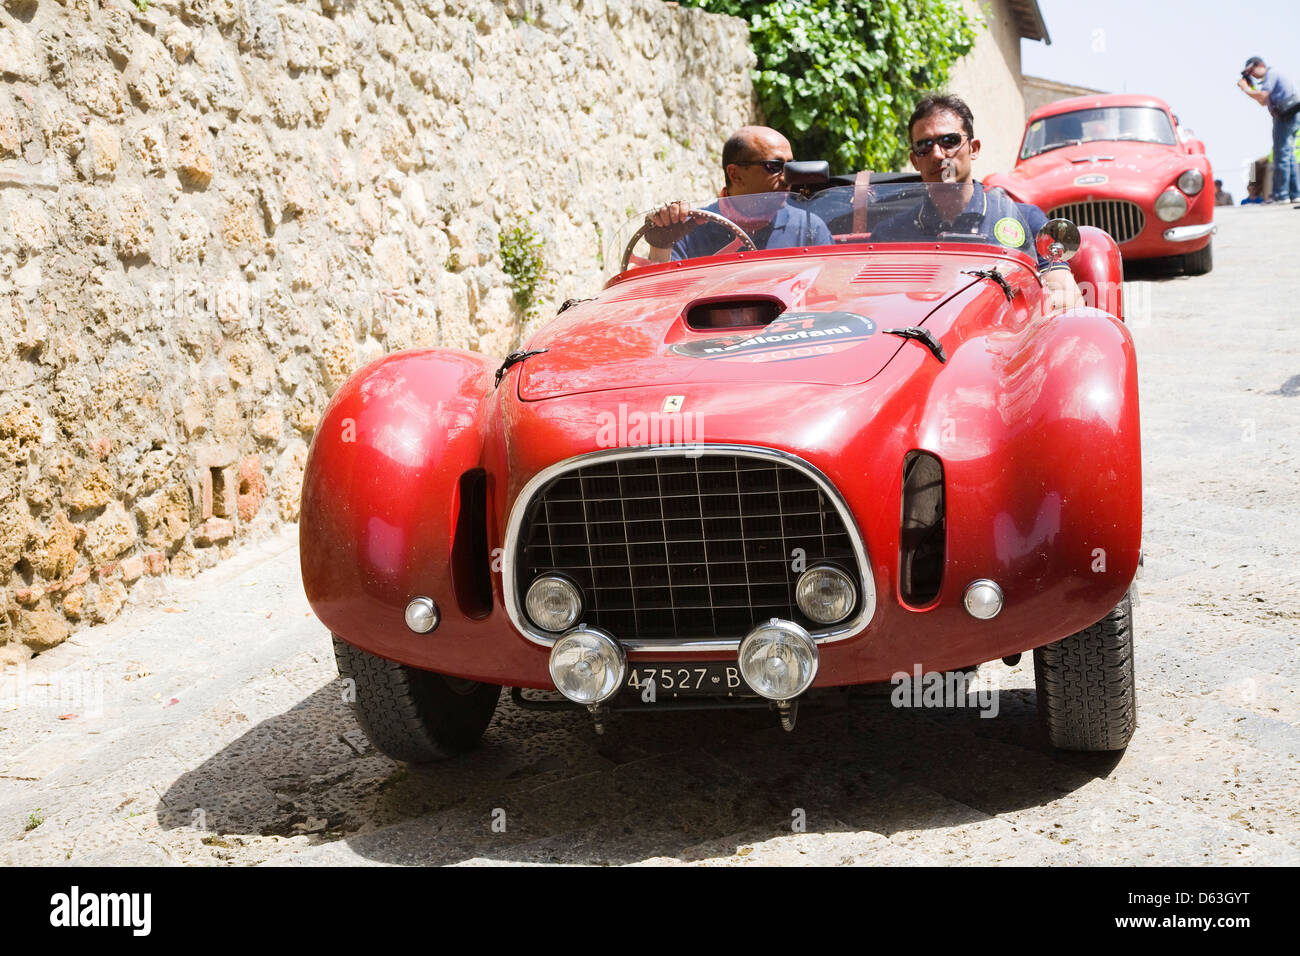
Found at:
<point>1189,54</point>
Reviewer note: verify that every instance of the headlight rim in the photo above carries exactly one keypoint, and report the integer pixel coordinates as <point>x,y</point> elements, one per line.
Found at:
<point>834,569</point>
<point>1199,185</point>
<point>1174,195</point>
<point>797,631</point>
<point>564,579</point>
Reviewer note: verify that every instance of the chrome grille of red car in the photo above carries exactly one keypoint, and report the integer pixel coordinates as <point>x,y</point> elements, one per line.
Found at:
<point>1123,220</point>
<point>671,546</point>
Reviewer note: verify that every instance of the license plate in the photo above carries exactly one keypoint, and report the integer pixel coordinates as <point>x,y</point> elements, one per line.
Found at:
<point>666,681</point>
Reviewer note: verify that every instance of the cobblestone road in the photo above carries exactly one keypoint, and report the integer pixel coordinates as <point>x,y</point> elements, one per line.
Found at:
<point>208,728</point>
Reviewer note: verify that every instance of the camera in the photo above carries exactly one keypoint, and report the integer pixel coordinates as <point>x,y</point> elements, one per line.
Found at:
<point>1247,75</point>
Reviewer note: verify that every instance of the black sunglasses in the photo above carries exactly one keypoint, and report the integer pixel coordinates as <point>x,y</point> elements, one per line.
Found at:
<point>947,142</point>
<point>771,166</point>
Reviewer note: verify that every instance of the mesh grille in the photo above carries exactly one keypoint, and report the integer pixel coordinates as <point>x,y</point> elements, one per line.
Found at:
<point>669,546</point>
<point>1123,220</point>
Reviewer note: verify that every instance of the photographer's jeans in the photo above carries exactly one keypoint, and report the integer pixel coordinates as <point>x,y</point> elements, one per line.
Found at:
<point>1286,177</point>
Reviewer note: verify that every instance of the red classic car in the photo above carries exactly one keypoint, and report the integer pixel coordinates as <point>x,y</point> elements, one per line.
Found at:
<point>748,478</point>
<point>1123,164</point>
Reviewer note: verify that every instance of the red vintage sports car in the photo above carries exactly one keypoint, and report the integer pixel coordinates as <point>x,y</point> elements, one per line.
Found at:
<point>1123,164</point>
<point>752,478</point>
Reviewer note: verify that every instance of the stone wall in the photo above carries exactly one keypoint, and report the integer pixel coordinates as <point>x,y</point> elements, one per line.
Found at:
<point>212,211</point>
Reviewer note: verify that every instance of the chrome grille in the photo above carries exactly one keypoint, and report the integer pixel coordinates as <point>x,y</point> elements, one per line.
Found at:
<point>671,546</point>
<point>1122,219</point>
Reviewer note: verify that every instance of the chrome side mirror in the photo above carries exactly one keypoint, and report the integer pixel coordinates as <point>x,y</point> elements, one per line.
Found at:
<point>1058,240</point>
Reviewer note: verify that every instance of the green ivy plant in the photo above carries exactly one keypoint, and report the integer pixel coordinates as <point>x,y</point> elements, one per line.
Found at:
<point>840,77</point>
<point>522,261</point>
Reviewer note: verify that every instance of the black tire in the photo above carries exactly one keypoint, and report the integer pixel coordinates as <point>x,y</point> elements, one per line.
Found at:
<point>1086,696</point>
<point>1199,262</point>
<point>412,714</point>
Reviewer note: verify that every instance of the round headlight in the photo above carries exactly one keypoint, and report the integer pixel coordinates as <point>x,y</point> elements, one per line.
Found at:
<point>554,603</point>
<point>826,594</point>
<point>1171,205</point>
<point>588,665</point>
<point>778,660</point>
<point>1191,182</point>
<point>983,599</point>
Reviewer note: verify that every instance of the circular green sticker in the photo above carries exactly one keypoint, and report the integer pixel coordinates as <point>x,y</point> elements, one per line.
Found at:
<point>1009,232</point>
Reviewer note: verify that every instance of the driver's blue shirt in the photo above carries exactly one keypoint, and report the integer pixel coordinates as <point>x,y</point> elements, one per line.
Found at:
<point>983,217</point>
<point>790,228</point>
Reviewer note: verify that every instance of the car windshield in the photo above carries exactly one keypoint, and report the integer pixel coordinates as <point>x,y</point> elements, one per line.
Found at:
<point>1145,124</point>
<point>875,213</point>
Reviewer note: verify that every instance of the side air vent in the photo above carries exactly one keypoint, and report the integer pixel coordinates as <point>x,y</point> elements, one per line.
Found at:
<point>923,537</point>
<point>471,570</point>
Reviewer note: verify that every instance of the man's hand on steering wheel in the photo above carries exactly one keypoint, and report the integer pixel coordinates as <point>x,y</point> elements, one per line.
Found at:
<point>668,223</point>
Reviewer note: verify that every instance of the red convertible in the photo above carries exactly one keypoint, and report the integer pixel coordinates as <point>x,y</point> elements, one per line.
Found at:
<point>751,478</point>
<point>1121,163</point>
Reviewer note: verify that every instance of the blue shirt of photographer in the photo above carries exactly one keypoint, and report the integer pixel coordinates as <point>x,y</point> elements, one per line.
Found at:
<point>790,228</point>
<point>1277,86</point>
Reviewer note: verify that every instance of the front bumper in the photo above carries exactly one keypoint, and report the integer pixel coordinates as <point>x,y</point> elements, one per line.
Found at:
<point>1190,233</point>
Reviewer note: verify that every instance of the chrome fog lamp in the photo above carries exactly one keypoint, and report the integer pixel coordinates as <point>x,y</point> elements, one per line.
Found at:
<point>983,599</point>
<point>825,593</point>
<point>553,602</point>
<point>1171,205</point>
<point>778,660</point>
<point>1191,182</point>
<point>422,615</point>
<point>587,665</point>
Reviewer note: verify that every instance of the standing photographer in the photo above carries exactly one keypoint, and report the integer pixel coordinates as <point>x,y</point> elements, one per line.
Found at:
<point>1279,94</point>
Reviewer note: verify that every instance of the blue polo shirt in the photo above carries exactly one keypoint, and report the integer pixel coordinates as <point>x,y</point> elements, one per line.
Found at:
<point>1277,86</point>
<point>790,228</point>
<point>990,216</point>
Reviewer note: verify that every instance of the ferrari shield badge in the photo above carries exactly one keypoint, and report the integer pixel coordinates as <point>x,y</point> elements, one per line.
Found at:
<point>673,403</point>
<point>1009,232</point>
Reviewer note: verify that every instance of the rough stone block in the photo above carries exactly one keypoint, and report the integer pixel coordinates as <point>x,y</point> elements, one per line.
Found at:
<point>41,629</point>
<point>252,487</point>
<point>111,534</point>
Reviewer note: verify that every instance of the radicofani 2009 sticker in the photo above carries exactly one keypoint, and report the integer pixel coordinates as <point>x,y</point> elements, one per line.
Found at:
<point>794,335</point>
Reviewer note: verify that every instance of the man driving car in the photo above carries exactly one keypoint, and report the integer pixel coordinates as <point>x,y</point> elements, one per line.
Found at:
<point>753,163</point>
<point>943,147</point>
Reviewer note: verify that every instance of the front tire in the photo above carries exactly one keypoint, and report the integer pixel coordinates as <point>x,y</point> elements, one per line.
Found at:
<point>1086,695</point>
<point>1200,262</point>
<point>412,714</point>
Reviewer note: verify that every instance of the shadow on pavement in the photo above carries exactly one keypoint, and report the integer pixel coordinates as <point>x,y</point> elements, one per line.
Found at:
<point>545,788</point>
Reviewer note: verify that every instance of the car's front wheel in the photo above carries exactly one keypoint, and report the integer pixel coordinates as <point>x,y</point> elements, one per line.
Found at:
<point>1086,695</point>
<point>412,714</point>
<point>1200,262</point>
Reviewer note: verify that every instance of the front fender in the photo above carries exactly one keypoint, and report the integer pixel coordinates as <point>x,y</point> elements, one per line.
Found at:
<point>1038,433</point>
<point>382,518</point>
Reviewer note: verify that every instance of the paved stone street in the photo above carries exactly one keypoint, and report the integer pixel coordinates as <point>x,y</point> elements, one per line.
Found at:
<point>208,727</point>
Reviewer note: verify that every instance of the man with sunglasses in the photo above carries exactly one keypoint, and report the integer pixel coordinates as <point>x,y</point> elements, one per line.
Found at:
<point>753,163</point>
<point>943,148</point>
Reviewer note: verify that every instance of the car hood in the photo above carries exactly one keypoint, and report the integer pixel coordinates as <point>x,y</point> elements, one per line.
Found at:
<point>1120,162</point>
<point>831,330</point>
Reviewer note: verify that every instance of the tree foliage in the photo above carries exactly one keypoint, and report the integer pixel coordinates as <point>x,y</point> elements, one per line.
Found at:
<point>841,77</point>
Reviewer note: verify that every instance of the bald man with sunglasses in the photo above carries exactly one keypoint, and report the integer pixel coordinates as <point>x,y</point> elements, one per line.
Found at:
<point>753,162</point>
<point>943,148</point>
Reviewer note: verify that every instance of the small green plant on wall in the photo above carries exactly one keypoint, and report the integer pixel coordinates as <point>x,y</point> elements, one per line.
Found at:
<point>522,260</point>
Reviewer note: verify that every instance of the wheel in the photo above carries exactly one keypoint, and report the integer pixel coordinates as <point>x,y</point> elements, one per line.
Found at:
<point>671,234</point>
<point>1086,696</point>
<point>1199,262</point>
<point>412,714</point>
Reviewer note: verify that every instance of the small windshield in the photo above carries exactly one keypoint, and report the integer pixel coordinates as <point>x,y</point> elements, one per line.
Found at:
<point>1145,124</point>
<point>884,212</point>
